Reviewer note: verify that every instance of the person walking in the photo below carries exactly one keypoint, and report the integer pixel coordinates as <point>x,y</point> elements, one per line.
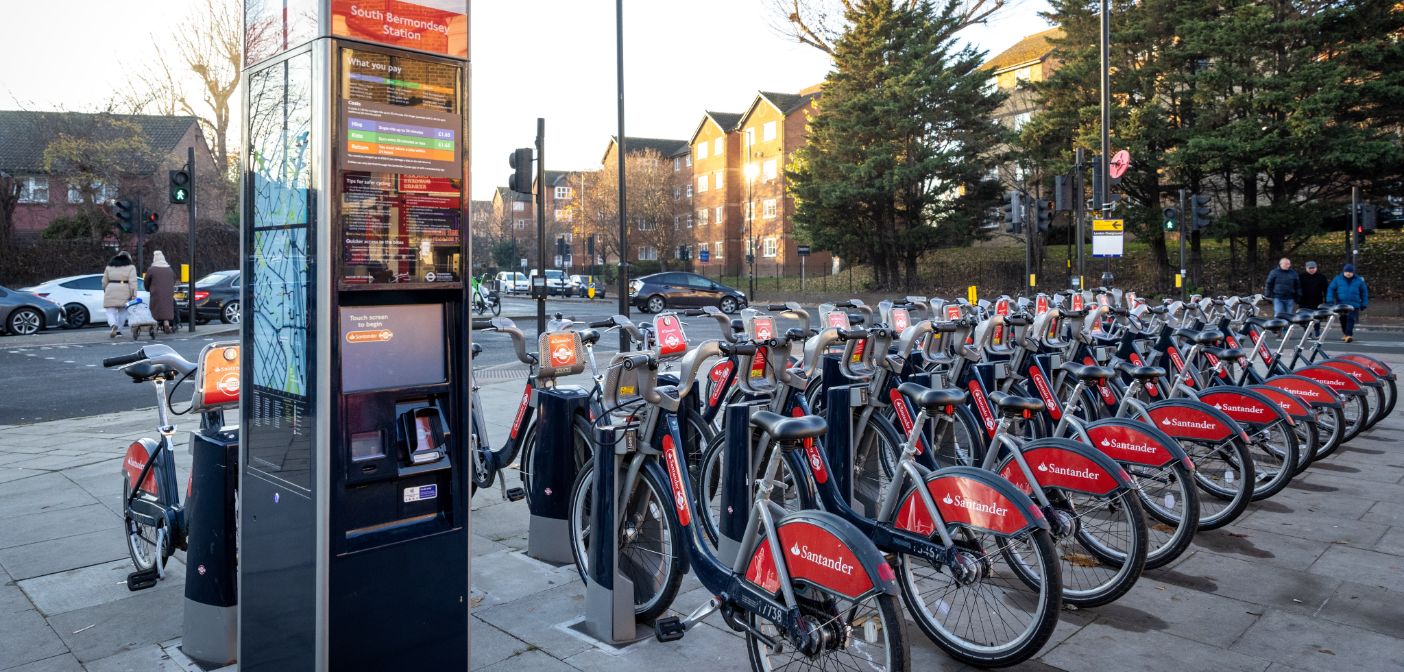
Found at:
<point>160,282</point>
<point>1282,287</point>
<point>119,281</point>
<point>1313,287</point>
<point>1350,289</point>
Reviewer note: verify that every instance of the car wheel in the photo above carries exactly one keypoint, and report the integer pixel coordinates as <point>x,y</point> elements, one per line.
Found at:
<point>656,304</point>
<point>25,322</point>
<point>77,315</point>
<point>727,305</point>
<point>230,313</point>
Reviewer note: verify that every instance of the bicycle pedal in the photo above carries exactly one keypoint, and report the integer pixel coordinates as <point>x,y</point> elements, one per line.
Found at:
<point>143,579</point>
<point>515,494</point>
<point>669,629</point>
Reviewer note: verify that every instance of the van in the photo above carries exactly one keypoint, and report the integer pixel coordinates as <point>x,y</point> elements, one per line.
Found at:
<point>512,282</point>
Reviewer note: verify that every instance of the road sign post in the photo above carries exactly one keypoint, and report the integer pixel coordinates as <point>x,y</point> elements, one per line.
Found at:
<point>1108,238</point>
<point>803,252</point>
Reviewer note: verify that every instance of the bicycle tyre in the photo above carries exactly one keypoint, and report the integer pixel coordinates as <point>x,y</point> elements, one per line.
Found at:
<point>891,621</point>
<point>1167,545</point>
<point>584,448</point>
<point>1130,561</point>
<point>1210,476</point>
<point>1331,421</point>
<point>1048,599</point>
<point>141,539</point>
<point>652,595</point>
<point>707,484</point>
<point>1273,466</point>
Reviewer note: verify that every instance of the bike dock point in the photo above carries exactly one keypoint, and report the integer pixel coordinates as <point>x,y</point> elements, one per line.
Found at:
<point>355,420</point>
<point>551,466</point>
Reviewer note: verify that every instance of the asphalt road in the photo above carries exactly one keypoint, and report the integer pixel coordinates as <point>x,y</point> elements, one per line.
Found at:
<point>59,374</point>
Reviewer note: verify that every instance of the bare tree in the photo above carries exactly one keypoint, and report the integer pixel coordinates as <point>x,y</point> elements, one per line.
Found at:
<point>9,198</point>
<point>653,220</point>
<point>820,23</point>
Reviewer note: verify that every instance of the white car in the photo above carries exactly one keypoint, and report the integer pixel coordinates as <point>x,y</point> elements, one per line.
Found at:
<point>513,282</point>
<point>81,297</point>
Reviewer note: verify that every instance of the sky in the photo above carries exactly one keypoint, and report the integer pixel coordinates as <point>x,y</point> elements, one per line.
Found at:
<point>553,59</point>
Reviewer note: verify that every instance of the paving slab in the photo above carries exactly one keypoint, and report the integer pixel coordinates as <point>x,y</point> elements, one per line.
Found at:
<point>60,663</point>
<point>703,648</point>
<point>1368,607</point>
<point>1103,647</point>
<point>57,555</point>
<point>1367,567</point>
<point>508,576</point>
<point>148,617</point>
<point>1385,513</point>
<point>1320,527</point>
<point>27,638</point>
<point>94,585</point>
<point>1392,542</point>
<point>1269,548</point>
<point>491,645</point>
<point>42,493</point>
<point>150,657</point>
<point>534,620</point>
<point>58,524</point>
<point>1251,582</point>
<point>530,661</point>
<point>1315,644</point>
<point>1154,606</point>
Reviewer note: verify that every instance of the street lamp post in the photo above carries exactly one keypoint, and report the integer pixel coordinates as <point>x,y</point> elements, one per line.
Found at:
<point>750,227</point>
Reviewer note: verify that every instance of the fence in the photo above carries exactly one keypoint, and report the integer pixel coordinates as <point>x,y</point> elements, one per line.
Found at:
<point>31,260</point>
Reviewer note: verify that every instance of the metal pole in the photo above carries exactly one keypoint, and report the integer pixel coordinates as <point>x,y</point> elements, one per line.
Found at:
<point>1080,210</point>
<point>1105,163</point>
<point>190,230</point>
<point>1184,277</point>
<point>141,242</point>
<point>1352,248</point>
<point>802,273</point>
<point>541,223</point>
<point>623,217</point>
<point>1030,226</point>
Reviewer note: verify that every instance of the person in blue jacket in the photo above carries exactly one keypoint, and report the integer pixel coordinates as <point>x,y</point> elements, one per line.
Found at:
<point>1348,288</point>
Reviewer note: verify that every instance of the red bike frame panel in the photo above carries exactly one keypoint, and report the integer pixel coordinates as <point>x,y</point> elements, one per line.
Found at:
<point>1124,442</point>
<point>965,501</point>
<point>1182,420</point>
<point>1061,468</point>
<point>812,554</point>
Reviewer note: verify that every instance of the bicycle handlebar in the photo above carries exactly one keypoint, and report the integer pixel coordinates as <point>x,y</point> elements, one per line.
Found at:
<point>123,360</point>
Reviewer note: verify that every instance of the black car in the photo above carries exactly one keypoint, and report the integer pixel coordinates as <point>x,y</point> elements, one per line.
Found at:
<point>216,298</point>
<point>660,291</point>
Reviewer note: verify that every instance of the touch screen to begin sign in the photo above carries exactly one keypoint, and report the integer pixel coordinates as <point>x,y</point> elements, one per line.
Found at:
<point>391,346</point>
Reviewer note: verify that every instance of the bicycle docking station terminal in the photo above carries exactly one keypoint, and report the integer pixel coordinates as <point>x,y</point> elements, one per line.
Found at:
<point>737,472</point>
<point>609,594</point>
<point>355,488</point>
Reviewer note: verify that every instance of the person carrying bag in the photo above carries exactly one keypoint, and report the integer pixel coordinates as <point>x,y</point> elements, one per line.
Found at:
<point>119,285</point>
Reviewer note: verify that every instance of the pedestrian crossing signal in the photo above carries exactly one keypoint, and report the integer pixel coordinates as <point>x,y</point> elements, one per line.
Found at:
<point>180,186</point>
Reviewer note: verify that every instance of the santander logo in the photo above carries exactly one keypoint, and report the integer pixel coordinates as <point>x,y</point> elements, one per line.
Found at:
<point>1110,442</point>
<point>835,564</point>
<point>1085,474</point>
<point>1230,408</point>
<point>1186,424</point>
<point>989,508</point>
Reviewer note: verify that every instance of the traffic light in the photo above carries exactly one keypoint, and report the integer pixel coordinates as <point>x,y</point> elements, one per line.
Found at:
<point>1199,206</point>
<point>179,186</point>
<point>1359,235</point>
<point>124,212</point>
<point>150,222</point>
<point>1171,216</point>
<point>1043,215</point>
<point>1014,213</point>
<point>1062,193</point>
<point>562,249</point>
<point>520,161</point>
<point>1369,218</point>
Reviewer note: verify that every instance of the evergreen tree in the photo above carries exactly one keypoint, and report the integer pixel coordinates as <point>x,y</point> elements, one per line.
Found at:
<point>898,157</point>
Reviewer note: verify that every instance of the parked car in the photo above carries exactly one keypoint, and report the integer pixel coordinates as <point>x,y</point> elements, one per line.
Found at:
<point>513,282</point>
<point>653,293</point>
<point>24,313</point>
<point>579,285</point>
<point>81,297</point>
<point>216,298</point>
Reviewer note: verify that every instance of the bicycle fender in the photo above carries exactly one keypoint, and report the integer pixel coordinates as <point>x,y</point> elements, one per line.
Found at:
<point>825,551</point>
<point>1067,465</point>
<point>970,497</point>
<point>138,454</point>
<point>1290,403</point>
<point>1313,392</point>
<point>1194,419</point>
<point>1360,372</point>
<point>1376,366</point>
<point>1244,405</point>
<point>1339,381</point>
<point>1126,440</point>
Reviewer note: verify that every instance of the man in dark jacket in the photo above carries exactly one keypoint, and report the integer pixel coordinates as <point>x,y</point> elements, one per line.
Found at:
<point>1350,289</point>
<point>1313,287</point>
<point>1282,287</point>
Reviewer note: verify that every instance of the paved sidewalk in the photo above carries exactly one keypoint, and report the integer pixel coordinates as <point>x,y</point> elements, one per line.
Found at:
<point>1312,579</point>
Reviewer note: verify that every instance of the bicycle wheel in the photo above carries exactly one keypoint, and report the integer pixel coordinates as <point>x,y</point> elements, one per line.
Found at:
<point>1356,409</point>
<point>795,496</point>
<point>878,446</point>
<point>1378,405</point>
<point>143,541</point>
<point>1171,503</point>
<point>958,440</point>
<point>584,448</point>
<point>1106,550</point>
<point>1273,449</point>
<point>866,634</point>
<point>1308,442</point>
<point>985,618</point>
<point>1330,422</point>
<point>650,541</point>
<point>1224,471</point>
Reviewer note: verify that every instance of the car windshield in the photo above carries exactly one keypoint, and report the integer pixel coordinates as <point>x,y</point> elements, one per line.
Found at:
<point>213,279</point>
<point>555,275</point>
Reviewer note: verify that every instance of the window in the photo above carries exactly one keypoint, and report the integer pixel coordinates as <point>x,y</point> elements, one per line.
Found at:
<point>701,183</point>
<point>721,214</point>
<point>768,247</point>
<point>698,282</point>
<point>717,179</point>
<point>562,193</point>
<point>677,221</point>
<point>689,160</point>
<point>648,253</point>
<point>769,170</point>
<point>519,224</point>
<point>1024,74</point>
<point>1021,119</point>
<point>101,192</point>
<point>689,220</point>
<point>34,190</point>
<point>768,131</point>
<point>719,146</point>
<point>677,163</point>
<point>647,225</point>
<point>703,216</point>
<point>90,282</point>
<point>677,193</point>
<point>720,249</point>
<point>702,150</point>
<point>689,191</point>
<point>684,252</point>
<point>518,206</point>
<point>565,215</point>
<point>769,208</point>
<point>750,210</point>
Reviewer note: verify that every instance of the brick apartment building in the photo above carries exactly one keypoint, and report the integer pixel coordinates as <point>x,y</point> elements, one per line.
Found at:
<point>645,242</point>
<point>717,194</point>
<point>24,135</point>
<point>1030,60</point>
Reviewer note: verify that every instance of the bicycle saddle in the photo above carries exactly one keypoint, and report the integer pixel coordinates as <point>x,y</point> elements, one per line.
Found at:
<point>1341,308</point>
<point>1160,310</point>
<point>589,336</point>
<point>1140,372</point>
<point>1086,371</point>
<point>1300,318</point>
<point>1201,337</point>
<point>782,428</point>
<point>1226,353</point>
<point>932,399</point>
<point>737,326</point>
<point>1013,405</point>
<point>1275,324</point>
<point>1321,314</point>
